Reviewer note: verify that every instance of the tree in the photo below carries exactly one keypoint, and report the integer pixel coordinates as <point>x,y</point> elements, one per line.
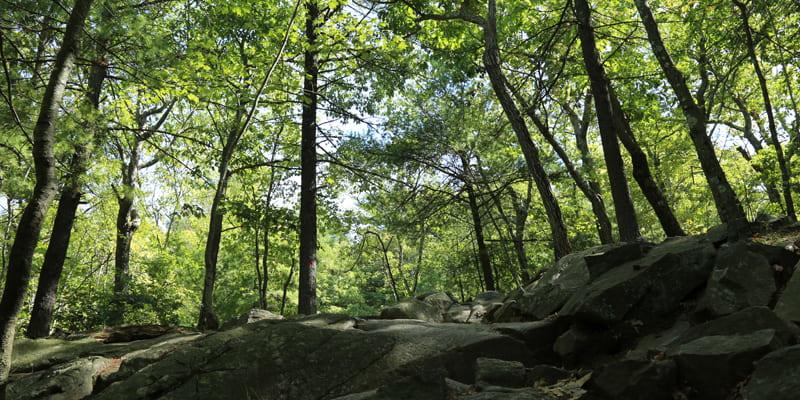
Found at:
<point>307,300</point>
<point>773,130</point>
<point>30,225</point>
<point>728,207</point>
<point>627,223</point>
<point>69,199</point>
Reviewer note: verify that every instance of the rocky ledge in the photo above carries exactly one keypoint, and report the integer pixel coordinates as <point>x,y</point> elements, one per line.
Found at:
<point>690,318</point>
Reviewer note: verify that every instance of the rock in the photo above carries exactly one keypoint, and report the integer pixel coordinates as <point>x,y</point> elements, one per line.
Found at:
<point>135,360</point>
<point>572,343</point>
<point>538,335</point>
<point>740,279</point>
<point>494,372</point>
<point>424,386</point>
<point>788,306</point>
<point>501,393</point>
<point>412,309</point>
<point>777,255</point>
<point>305,359</point>
<point>129,333</point>
<point>647,288</point>
<point>545,375</point>
<point>713,365</point>
<point>255,314</point>
<point>71,381</point>
<point>569,274</point>
<point>440,300</point>
<point>716,355</point>
<point>490,297</point>
<point>651,345</point>
<point>636,380</point>
<point>743,322</point>
<point>776,376</point>
<point>460,313</point>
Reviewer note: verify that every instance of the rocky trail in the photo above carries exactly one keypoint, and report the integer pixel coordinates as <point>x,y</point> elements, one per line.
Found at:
<point>690,318</point>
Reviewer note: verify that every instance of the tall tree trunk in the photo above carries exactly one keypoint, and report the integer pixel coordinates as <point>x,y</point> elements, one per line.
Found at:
<point>596,201</point>
<point>307,298</point>
<point>627,223</point>
<point>492,63</point>
<point>773,130</point>
<point>641,172</point>
<point>126,225</point>
<point>69,200</point>
<point>728,207</point>
<point>45,300</point>
<point>208,319</point>
<point>483,253</point>
<point>30,224</point>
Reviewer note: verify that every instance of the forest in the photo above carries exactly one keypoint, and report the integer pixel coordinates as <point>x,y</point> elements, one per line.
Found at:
<point>179,163</point>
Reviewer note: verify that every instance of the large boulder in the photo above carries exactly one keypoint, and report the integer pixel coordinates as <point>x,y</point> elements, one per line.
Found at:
<point>538,335</point>
<point>646,288</point>
<point>71,381</point>
<point>714,356</point>
<point>442,301</point>
<point>741,279</point>
<point>713,365</point>
<point>776,376</point>
<point>569,274</point>
<point>307,359</point>
<point>788,306</point>
<point>413,309</point>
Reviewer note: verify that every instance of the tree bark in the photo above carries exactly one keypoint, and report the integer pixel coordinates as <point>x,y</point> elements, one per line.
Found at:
<point>492,63</point>
<point>307,296</point>
<point>773,130</point>
<point>46,293</point>
<point>30,224</point>
<point>483,253</point>
<point>642,174</point>
<point>580,125</point>
<point>286,287</point>
<point>208,319</point>
<point>728,207</point>
<point>69,200</point>
<point>627,223</point>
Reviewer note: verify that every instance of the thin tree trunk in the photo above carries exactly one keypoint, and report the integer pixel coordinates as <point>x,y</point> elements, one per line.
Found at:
<point>30,224</point>
<point>307,297</point>
<point>596,201</point>
<point>286,286</point>
<point>728,207</point>
<point>477,224</point>
<point>520,220</point>
<point>747,131</point>
<point>69,200</point>
<point>45,299</point>
<point>580,125</point>
<point>773,130</point>
<point>420,252</point>
<point>483,252</point>
<point>208,319</point>
<point>627,223</point>
<point>642,174</point>
<point>492,63</point>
